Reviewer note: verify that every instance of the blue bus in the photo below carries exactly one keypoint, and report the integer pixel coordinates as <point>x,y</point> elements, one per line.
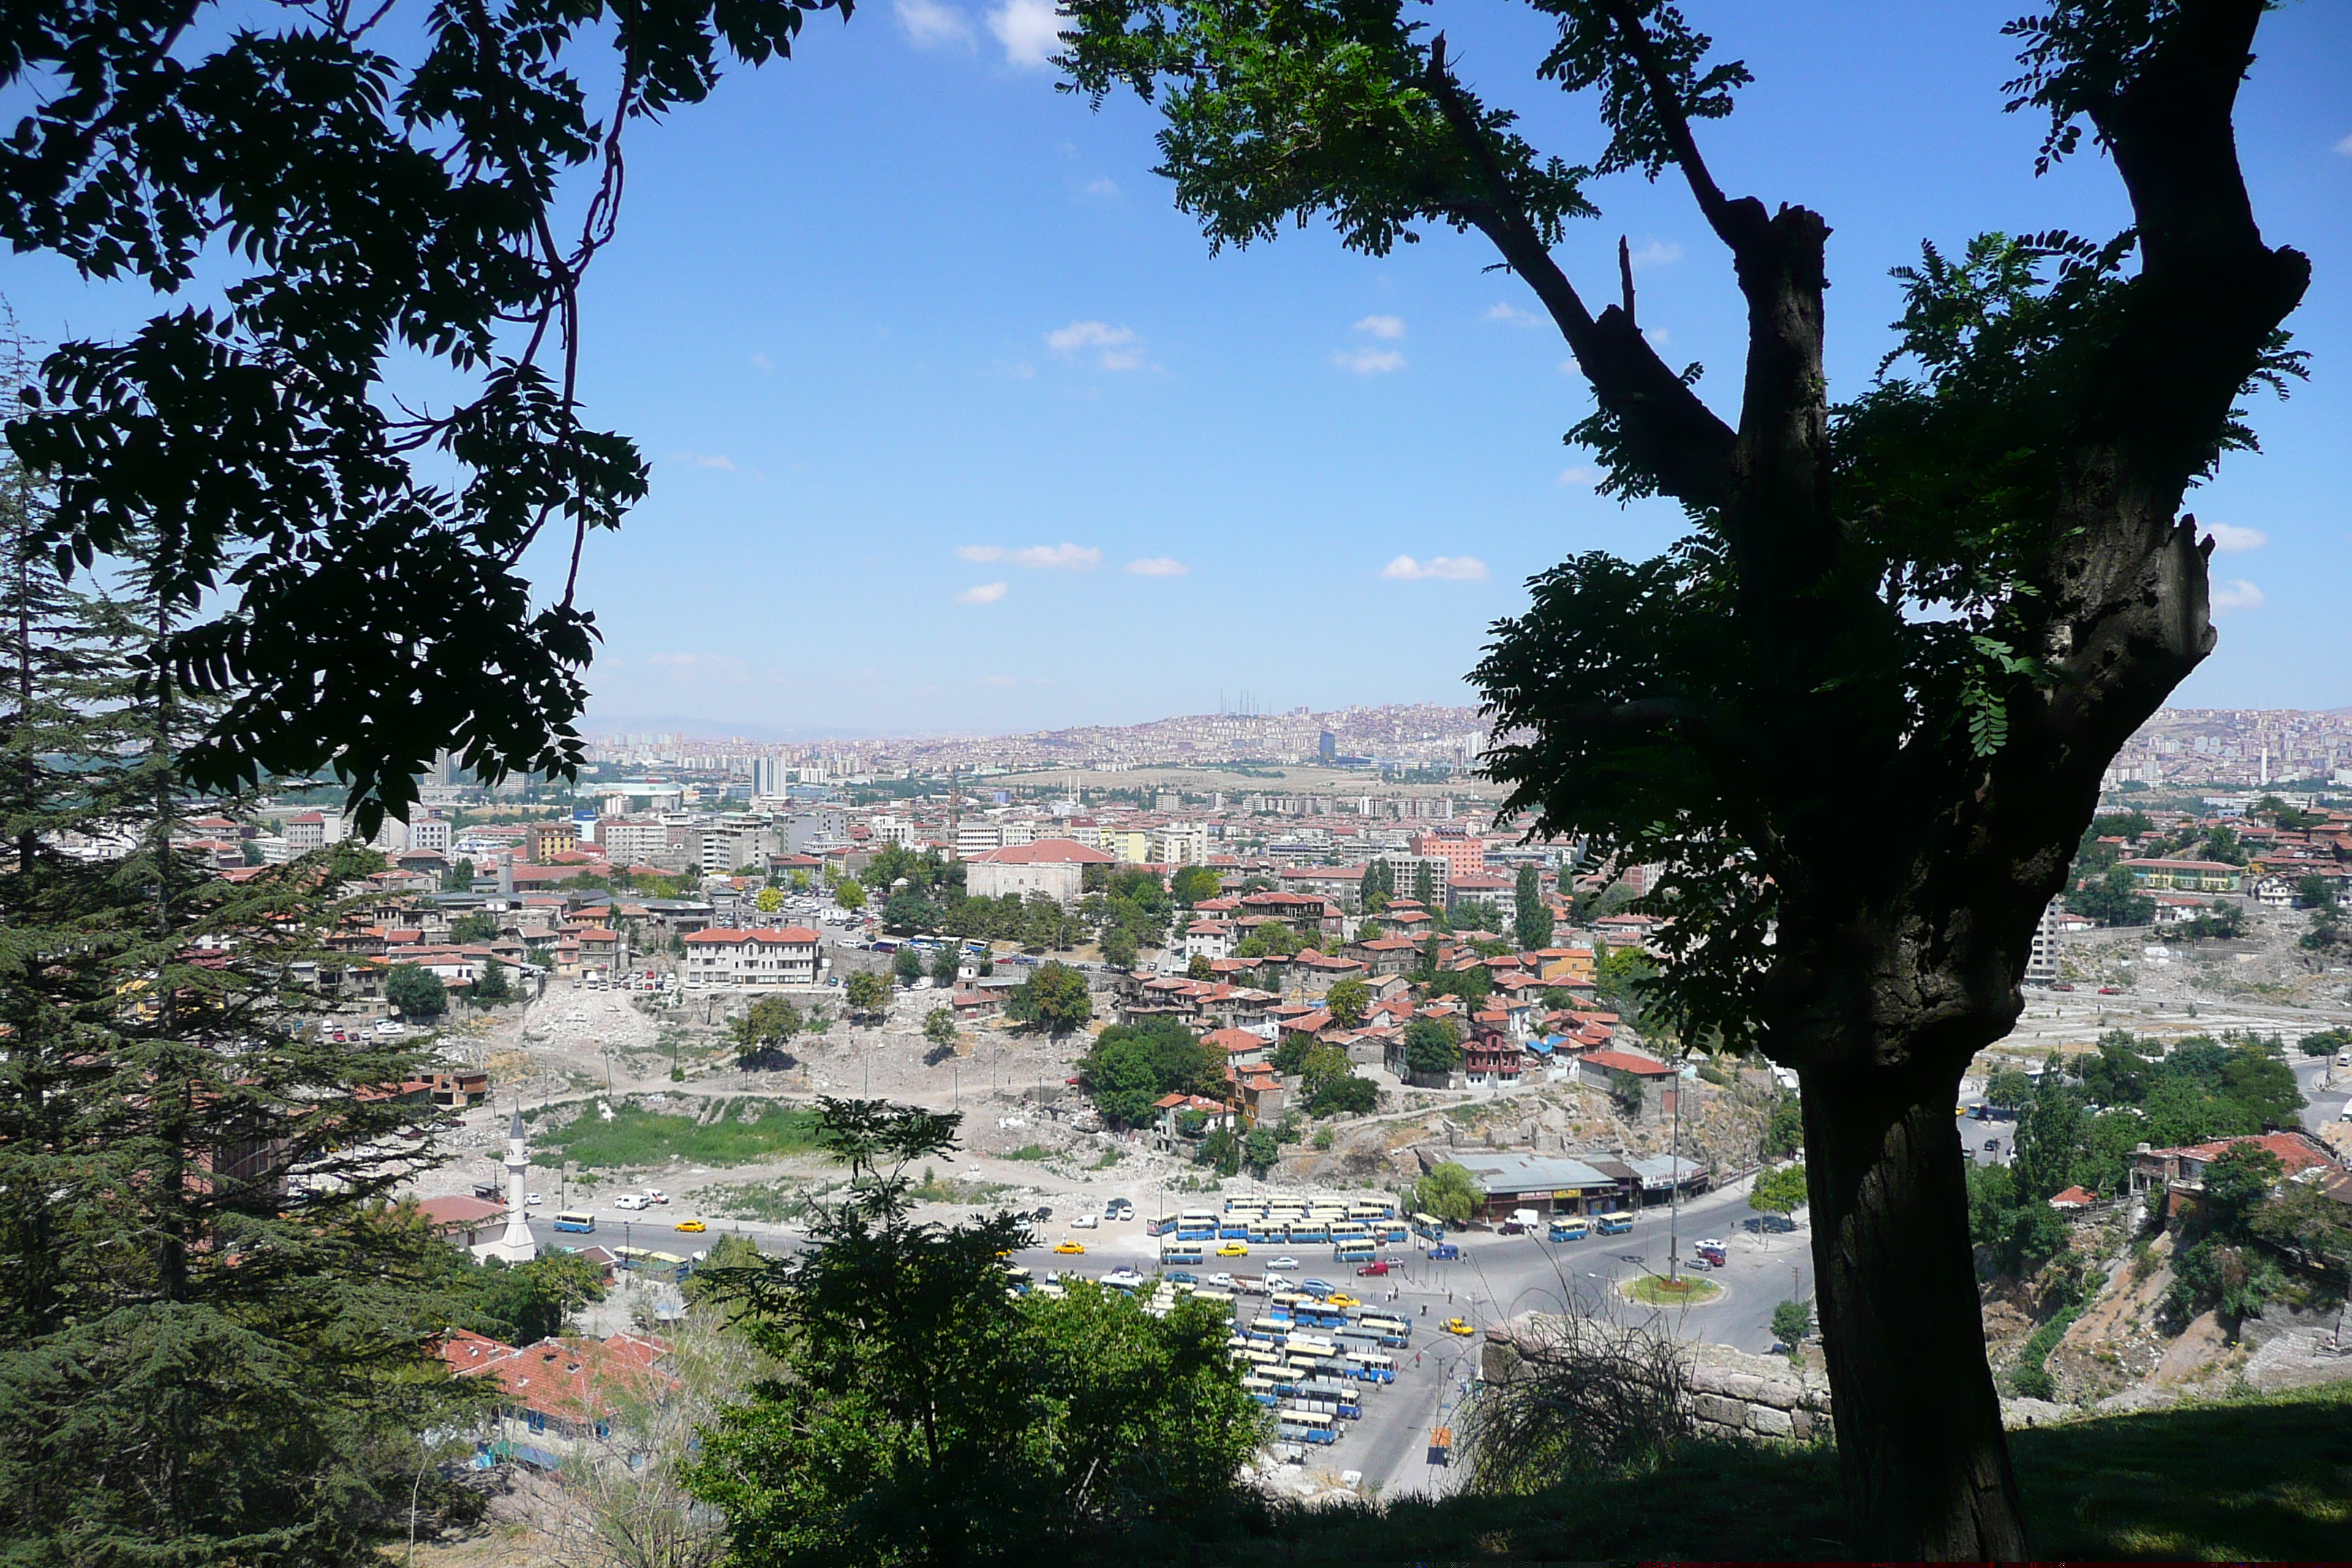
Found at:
<point>580,1222</point>
<point>1176,1253</point>
<point>1614,1224</point>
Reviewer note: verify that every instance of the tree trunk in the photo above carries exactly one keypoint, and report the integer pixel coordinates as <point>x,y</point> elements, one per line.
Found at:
<point>1920,1446</point>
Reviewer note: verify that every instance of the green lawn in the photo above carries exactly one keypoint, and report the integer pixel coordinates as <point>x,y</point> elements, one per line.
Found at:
<point>2266,1478</point>
<point>637,1137</point>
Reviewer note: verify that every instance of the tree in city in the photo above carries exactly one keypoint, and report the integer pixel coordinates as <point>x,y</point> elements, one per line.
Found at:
<point>1531,921</point>
<point>1220,1150</point>
<point>1118,949</point>
<point>907,966</point>
<point>1377,887</point>
<point>1200,968</point>
<point>1349,1001</point>
<point>1055,998</point>
<point>849,894</point>
<point>1779,1190</point>
<point>1261,1152</point>
<point>459,878</point>
<point>1432,1047</point>
<point>1424,887</point>
<point>2312,891</point>
<point>1784,1129</point>
<point>416,993</point>
<point>768,1024</point>
<point>1133,1065</point>
<point>921,1414</point>
<point>939,1027</point>
<point>1920,621</point>
<point>1450,1192</point>
<point>2220,1266</point>
<point>1791,1321</point>
<point>867,994</point>
<point>327,210</point>
<point>946,967</point>
<point>768,900</point>
<point>2112,898</point>
<point>476,927</point>
<point>2008,1088</point>
<point>1193,885</point>
<point>490,986</point>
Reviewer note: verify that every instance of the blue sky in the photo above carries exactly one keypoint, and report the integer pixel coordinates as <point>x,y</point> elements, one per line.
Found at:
<point>955,424</point>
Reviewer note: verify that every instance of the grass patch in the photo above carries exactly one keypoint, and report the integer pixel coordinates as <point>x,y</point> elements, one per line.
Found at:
<point>1109,1157</point>
<point>934,1189</point>
<point>1031,1152</point>
<point>743,1133</point>
<point>1656,1291</point>
<point>2256,1479</point>
<point>773,1202</point>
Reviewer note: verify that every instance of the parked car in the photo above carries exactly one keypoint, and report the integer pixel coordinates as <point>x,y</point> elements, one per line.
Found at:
<point>1714,1253</point>
<point>630,1200</point>
<point>656,1195</point>
<point>1379,1266</point>
<point>1083,1222</point>
<point>532,1200</point>
<point>1510,1227</point>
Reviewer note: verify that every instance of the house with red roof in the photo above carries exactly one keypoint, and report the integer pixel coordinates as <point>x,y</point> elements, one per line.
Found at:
<point>2174,1174</point>
<point>1053,867</point>
<point>563,1397</point>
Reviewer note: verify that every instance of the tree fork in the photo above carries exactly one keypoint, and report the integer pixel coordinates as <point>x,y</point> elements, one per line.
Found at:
<point>1921,1446</point>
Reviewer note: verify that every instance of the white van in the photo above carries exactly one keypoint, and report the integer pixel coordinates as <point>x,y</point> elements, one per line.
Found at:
<point>630,1200</point>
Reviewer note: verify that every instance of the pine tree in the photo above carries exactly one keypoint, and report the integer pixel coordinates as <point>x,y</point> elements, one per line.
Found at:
<point>210,1341</point>
<point>1532,921</point>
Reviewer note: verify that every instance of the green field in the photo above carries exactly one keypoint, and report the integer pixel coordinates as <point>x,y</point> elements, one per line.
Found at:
<point>745,1133</point>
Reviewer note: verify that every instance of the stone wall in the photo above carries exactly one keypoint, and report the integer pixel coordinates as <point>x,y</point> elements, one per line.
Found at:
<point>1735,1395</point>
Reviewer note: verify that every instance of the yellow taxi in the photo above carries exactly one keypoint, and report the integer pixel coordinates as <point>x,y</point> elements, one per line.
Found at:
<point>1068,1248</point>
<point>1456,1326</point>
<point>693,1224</point>
<point>1233,1249</point>
<point>1340,1299</point>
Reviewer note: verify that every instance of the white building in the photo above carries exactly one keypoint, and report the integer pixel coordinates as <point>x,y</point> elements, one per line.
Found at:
<point>786,955</point>
<point>2041,959</point>
<point>629,840</point>
<point>1053,867</point>
<point>1181,844</point>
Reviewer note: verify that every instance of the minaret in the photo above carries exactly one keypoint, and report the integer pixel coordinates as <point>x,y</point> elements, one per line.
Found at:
<point>516,1246</point>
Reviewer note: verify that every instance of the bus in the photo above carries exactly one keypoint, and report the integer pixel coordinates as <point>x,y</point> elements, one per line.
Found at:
<point>1569,1228</point>
<point>1245,1205</point>
<point>1392,1233</point>
<point>1312,1230</point>
<point>1370,1209</point>
<point>1372,1366</point>
<point>1359,1250</point>
<point>1260,1389</point>
<point>1160,1226</point>
<point>1429,1227</point>
<point>1296,1426</point>
<point>1177,1254</point>
<point>1615,1224</point>
<point>580,1222</point>
<point>1390,1330</point>
<point>1349,1229</point>
<point>1197,1225</point>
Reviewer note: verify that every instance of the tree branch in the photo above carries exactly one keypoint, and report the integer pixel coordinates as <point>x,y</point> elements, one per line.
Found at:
<point>1678,439</point>
<point>1718,209</point>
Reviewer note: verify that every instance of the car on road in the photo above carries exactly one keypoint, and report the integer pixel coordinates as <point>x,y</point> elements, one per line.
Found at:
<point>1122,1279</point>
<point>1318,1289</point>
<point>1444,1252</point>
<point>694,1226</point>
<point>1340,1299</point>
<point>1221,1280</point>
<point>532,1200</point>
<point>1182,1277</point>
<point>1233,1249</point>
<point>1376,1267</point>
<point>2111,990</point>
<point>1456,1326</point>
<point>1279,1281</point>
<point>1284,1263</point>
<point>1068,1248</point>
<point>2064,986</point>
<point>1714,1253</point>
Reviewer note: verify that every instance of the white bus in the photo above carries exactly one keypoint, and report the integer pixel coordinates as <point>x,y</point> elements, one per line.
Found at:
<point>1296,1426</point>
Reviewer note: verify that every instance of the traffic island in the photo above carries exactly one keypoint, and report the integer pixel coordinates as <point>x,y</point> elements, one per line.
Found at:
<point>1684,1291</point>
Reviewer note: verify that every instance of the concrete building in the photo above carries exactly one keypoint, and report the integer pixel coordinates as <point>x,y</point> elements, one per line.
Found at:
<point>785,955</point>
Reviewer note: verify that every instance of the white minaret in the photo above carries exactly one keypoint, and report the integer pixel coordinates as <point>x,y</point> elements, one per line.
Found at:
<point>516,1246</point>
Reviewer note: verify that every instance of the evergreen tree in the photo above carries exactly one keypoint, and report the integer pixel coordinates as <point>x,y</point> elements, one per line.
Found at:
<point>1532,923</point>
<point>210,1345</point>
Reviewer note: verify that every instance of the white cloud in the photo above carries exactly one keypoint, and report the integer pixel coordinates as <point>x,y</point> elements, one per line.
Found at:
<point>674,659</point>
<point>1065,556</point>
<point>1382,326</point>
<point>1158,566</point>
<point>981,594</point>
<point>1499,312</point>
<point>2236,595</point>
<point>762,362</point>
<point>1451,568</point>
<point>1584,478</point>
<point>1106,187</point>
<point>998,680</point>
<point>1659,337</point>
<point>2229,536</point>
<point>1121,348</point>
<point>704,461</point>
<point>1370,361</point>
<point>1658,253</point>
<point>1029,29</point>
<point>929,23</point>
<point>2344,146</point>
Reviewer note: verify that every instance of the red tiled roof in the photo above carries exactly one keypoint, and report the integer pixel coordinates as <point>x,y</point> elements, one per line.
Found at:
<point>1625,1061</point>
<point>1045,852</point>
<point>725,937</point>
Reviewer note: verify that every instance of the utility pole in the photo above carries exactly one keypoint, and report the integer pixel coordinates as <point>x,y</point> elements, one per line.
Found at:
<point>1674,1172</point>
